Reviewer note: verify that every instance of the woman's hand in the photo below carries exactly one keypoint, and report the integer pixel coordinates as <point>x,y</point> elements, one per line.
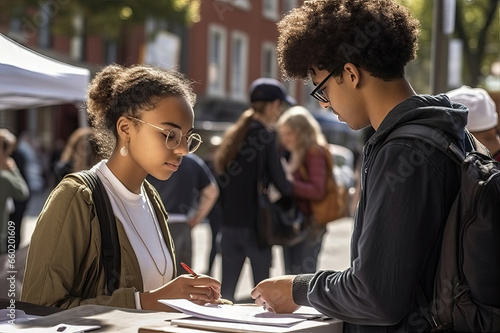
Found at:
<point>275,294</point>
<point>198,289</point>
<point>287,169</point>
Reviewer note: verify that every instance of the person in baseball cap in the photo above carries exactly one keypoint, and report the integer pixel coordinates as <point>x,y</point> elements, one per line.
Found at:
<point>268,89</point>
<point>483,116</point>
<point>247,155</point>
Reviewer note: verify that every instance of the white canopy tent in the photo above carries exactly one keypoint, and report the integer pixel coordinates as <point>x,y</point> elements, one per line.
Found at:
<point>29,79</point>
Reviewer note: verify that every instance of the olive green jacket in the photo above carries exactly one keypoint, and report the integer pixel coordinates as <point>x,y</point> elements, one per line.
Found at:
<point>64,266</point>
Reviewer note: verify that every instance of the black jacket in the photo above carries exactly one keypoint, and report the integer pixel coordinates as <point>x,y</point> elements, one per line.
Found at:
<point>407,192</point>
<point>238,183</point>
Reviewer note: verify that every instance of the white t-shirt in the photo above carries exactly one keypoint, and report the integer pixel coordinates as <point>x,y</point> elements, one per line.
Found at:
<point>141,226</point>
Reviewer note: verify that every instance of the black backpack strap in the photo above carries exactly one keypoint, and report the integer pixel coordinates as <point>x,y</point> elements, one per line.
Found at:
<point>110,244</point>
<point>433,137</point>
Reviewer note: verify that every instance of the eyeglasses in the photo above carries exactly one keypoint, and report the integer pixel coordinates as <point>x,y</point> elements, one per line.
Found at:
<point>318,92</point>
<point>174,136</point>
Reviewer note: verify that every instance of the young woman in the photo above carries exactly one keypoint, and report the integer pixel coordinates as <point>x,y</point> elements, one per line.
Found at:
<point>248,146</point>
<point>144,119</point>
<point>300,134</point>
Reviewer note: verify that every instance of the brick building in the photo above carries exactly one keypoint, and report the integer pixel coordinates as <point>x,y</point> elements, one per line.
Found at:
<point>232,44</point>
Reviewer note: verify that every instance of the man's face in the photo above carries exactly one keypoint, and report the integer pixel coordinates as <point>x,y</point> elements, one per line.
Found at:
<point>342,97</point>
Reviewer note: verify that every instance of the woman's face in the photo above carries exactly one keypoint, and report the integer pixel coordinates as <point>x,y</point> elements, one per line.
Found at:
<point>288,137</point>
<point>148,144</point>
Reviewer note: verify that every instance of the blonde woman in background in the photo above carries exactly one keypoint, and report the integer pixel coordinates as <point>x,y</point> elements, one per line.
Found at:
<point>80,153</point>
<point>306,168</point>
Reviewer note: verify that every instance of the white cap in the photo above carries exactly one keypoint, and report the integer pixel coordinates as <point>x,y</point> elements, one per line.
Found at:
<point>482,109</point>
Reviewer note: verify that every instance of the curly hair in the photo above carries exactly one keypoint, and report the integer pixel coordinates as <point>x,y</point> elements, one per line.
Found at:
<point>116,91</point>
<point>379,36</point>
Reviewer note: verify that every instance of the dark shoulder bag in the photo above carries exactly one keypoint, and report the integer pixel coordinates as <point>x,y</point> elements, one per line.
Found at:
<point>280,222</point>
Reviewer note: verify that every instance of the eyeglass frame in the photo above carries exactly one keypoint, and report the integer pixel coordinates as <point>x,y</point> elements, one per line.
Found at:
<point>317,93</point>
<point>188,137</point>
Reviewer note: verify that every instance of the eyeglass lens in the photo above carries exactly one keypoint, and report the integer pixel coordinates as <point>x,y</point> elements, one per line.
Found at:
<point>320,96</point>
<point>318,91</point>
<point>174,138</point>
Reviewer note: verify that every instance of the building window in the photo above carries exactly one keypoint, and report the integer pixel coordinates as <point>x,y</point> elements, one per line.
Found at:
<point>242,4</point>
<point>270,9</point>
<point>239,65</point>
<point>291,88</point>
<point>288,5</point>
<point>221,6</point>
<point>216,60</point>
<point>269,63</point>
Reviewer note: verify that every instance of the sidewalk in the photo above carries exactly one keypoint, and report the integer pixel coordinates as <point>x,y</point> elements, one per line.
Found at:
<point>334,253</point>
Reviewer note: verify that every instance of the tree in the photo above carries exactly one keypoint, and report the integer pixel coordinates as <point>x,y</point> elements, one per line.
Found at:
<point>476,24</point>
<point>476,27</point>
<point>105,17</point>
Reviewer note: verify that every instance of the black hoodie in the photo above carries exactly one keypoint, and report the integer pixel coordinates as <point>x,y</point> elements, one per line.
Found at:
<point>406,194</point>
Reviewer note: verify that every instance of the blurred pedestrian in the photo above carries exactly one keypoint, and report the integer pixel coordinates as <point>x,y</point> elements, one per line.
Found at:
<point>144,118</point>
<point>300,134</point>
<point>483,117</point>
<point>19,206</point>
<point>13,186</point>
<point>250,142</point>
<point>80,153</point>
<point>355,52</point>
<point>188,196</point>
<point>33,166</point>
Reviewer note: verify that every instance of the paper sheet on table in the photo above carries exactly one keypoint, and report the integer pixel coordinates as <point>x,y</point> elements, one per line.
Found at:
<point>241,314</point>
<point>220,326</point>
<point>14,315</point>
<point>8,328</point>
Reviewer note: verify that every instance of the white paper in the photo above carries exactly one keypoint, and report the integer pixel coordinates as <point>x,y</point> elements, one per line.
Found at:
<point>239,314</point>
<point>15,315</point>
<point>220,326</point>
<point>61,328</point>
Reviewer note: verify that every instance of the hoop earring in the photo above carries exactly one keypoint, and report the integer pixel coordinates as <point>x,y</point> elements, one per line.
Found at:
<point>124,151</point>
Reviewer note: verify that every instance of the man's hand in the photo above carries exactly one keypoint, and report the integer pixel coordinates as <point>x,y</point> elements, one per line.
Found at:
<point>275,294</point>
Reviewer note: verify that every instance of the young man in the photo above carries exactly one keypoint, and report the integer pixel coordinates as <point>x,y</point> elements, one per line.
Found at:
<point>355,53</point>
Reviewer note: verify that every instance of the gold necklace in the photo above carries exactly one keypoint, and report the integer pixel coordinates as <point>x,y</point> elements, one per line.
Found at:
<point>137,232</point>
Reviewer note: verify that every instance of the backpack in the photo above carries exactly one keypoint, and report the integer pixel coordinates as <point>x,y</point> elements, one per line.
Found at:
<point>110,244</point>
<point>467,283</point>
<point>333,205</point>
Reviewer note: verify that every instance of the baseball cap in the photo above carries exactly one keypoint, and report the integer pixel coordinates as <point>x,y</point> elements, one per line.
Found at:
<point>482,109</point>
<point>268,89</point>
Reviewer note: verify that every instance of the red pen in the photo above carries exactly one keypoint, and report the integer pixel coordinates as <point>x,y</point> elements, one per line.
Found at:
<point>190,271</point>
